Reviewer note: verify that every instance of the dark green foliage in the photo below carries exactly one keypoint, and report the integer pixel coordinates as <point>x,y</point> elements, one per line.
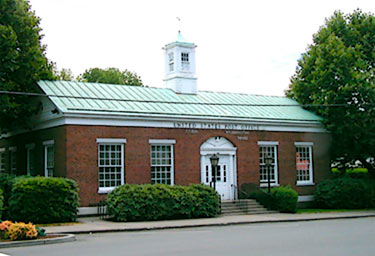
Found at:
<point>159,202</point>
<point>111,76</point>
<point>345,193</point>
<point>44,200</point>
<point>282,199</point>
<point>338,68</point>
<point>1,203</point>
<point>23,62</point>
<point>6,185</point>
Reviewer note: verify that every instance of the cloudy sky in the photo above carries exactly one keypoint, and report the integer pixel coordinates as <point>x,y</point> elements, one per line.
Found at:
<point>243,46</point>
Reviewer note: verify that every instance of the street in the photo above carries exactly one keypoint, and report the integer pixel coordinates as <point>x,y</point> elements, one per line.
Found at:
<point>327,237</point>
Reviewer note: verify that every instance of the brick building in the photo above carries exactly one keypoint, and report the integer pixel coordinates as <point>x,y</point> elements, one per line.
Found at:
<point>105,135</point>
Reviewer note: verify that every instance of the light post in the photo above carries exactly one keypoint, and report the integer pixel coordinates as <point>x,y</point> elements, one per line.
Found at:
<point>214,161</point>
<point>268,161</point>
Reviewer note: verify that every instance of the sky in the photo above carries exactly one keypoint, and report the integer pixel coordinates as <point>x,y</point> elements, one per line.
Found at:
<point>243,46</point>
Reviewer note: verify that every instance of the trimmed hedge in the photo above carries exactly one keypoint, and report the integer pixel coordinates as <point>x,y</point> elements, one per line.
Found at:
<point>345,193</point>
<point>132,202</point>
<point>44,200</point>
<point>6,184</point>
<point>282,199</point>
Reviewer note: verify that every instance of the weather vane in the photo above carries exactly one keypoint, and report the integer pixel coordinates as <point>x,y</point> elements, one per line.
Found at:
<point>178,24</point>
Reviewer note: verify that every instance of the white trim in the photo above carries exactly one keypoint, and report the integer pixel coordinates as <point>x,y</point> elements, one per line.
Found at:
<point>309,182</point>
<point>110,141</point>
<point>157,141</point>
<point>105,190</point>
<point>48,142</point>
<point>172,156</point>
<point>305,183</point>
<point>46,146</point>
<point>307,198</point>
<point>2,150</point>
<point>276,167</point>
<point>265,185</point>
<point>30,146</point>
<point>268,143</point>
<point>164,121</point>
<point>13,149</point>
<point>304,143</point>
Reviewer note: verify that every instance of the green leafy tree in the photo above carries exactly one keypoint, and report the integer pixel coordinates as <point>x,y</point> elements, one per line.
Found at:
<point>64,74</point>
<point>339,69</point>
<point>23,62</point>
<point>111,76</point>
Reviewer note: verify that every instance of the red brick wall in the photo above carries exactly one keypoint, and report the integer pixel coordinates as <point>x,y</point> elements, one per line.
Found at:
<point>82,155</point>
<point>76,154</point>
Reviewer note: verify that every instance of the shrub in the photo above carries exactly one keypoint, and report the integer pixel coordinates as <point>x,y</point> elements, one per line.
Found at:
<point>345,193</point>
<point>1,202</point>
<point>44,200</point>
<point>157,202</point>
<point>6,184</point>
<point>22,231</point>
<point>4,229</point>
<point>282,199</point>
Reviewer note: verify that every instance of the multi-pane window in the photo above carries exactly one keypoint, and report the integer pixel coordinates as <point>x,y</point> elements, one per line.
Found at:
<point>171,61</point>
<point>268,149</point>
<point>49,161</point>
<point>13,160</point>
<point>2,160</point>
<point>162,162</point>
<point>304,163</point>
<point>110,163</point>
<point>185,60</point>
<point>30,158</point>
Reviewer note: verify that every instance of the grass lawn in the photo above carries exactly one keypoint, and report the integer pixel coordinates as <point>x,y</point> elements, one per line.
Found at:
<point>329,210</point>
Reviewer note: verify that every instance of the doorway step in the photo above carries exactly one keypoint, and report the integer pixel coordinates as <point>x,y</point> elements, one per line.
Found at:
<point>243,207</point>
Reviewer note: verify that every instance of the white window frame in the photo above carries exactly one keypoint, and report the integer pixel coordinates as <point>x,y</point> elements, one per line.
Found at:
<point>308,145</point>
<point>163,142</point>
<point>185,64</point>
<point>13,160</point>
<point>48,144</point>
<point>2,160</point>
<point>171,61</point>
<point>111,141</point>
<point>30,147</point>
<point>263,183</point>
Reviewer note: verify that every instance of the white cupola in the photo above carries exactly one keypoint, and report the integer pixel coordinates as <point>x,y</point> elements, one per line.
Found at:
<point>180,66</point>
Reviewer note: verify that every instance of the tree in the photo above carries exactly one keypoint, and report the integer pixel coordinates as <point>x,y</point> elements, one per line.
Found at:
<point>23,62</point>
<point>339,68</point>
<point>64,74</point>
<point>111,76</point>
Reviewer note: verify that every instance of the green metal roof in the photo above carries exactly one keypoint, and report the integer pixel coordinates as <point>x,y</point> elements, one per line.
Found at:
<point>95,98</point>
<point>180,41</point>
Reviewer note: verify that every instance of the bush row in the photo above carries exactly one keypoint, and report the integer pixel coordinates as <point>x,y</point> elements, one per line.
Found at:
<point>158,202</point>
<point>39,199</point>
<point>282,199</point>
<point>345,193</point>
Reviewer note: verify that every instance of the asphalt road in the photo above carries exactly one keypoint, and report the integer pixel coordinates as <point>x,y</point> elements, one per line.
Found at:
<point>319,238</point>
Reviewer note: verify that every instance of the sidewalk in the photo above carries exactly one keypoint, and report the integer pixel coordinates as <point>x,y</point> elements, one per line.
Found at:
<point>96,225</point>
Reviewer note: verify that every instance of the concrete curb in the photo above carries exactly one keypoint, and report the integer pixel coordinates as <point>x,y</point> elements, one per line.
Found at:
<point>135,229</point>
<point>65,238</point>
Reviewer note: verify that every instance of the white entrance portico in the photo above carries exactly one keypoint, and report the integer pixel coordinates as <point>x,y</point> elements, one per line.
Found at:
<point>226,171</point>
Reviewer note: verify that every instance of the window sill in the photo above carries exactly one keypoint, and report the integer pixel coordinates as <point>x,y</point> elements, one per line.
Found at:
<point>300,184</point>
<point>265,185</point>
<point>105,190</point>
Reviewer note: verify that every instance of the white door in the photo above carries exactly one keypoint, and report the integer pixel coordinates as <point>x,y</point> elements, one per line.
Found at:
<point>223,173</point>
